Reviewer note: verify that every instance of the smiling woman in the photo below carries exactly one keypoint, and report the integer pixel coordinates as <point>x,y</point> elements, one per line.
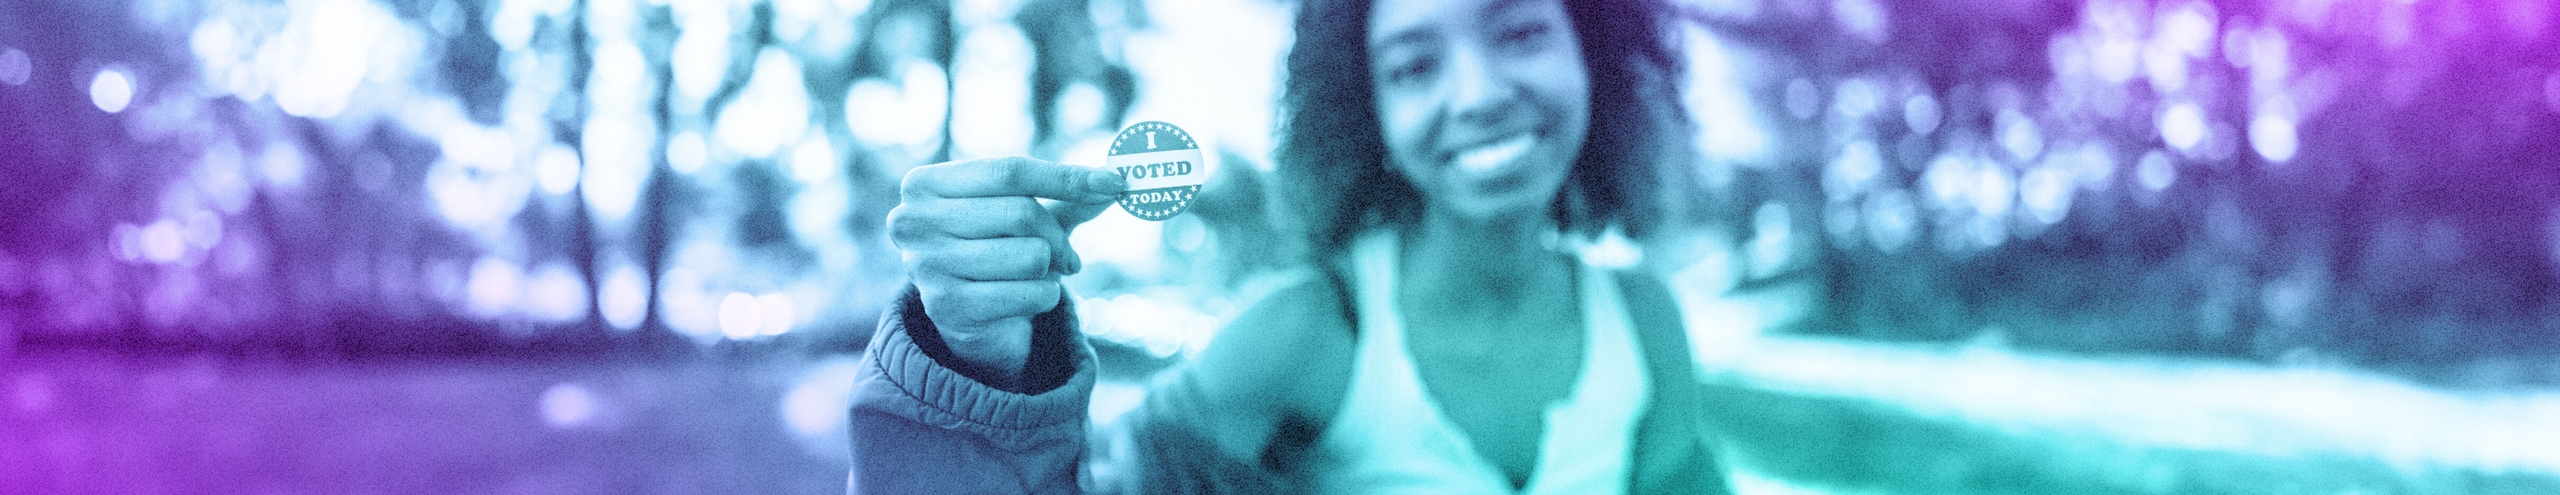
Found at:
<point>1482,110</point>
<point>1336,140</point>
<point>1436,335</point>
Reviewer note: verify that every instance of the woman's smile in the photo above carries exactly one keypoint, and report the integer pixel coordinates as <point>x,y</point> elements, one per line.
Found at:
<point>1483,159</point>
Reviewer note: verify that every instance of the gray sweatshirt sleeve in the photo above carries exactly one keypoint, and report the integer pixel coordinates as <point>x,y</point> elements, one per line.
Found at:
<point>919,426</point>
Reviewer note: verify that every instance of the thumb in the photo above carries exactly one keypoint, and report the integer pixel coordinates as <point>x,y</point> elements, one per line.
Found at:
<point>1107,185</point>
<point>1070,213</point>
<point>1073,213</point>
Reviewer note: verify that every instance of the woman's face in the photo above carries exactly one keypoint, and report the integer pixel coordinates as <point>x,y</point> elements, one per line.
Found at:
<point>1483,103</point>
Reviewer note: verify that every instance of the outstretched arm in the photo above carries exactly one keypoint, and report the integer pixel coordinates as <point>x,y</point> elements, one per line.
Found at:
<point>923,422</point>
<point>976,380</point>
<point>1244,415</point>
<point>1241,418</point>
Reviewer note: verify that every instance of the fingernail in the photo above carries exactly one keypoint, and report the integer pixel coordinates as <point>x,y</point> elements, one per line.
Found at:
<point>1105,182</point>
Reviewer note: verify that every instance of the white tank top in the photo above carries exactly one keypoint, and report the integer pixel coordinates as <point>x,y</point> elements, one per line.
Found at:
<point>1391,438</point>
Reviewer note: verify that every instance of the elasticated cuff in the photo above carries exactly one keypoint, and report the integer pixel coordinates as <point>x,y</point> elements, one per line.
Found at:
<point>937,394</point>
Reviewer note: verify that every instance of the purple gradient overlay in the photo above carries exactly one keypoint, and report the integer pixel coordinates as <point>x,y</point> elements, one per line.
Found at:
<point>2364,182</point>
<point>592,246</point>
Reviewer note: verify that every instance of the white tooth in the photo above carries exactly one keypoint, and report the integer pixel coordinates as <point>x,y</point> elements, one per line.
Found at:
<point>1487,157</point>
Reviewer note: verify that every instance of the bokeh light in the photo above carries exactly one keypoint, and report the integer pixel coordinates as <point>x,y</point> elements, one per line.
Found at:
<point>569,405</point>
<point>111,90</point>
<point>14,66</point>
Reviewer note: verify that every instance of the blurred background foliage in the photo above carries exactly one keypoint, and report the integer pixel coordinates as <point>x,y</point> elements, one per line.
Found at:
<point>1880,192</point>
<point>2351,181</point>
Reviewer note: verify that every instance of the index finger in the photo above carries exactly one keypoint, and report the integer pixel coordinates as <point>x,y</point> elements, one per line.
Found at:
<point>1015,176</point>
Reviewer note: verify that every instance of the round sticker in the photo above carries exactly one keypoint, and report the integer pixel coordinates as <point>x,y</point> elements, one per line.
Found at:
<point>1163,166</point>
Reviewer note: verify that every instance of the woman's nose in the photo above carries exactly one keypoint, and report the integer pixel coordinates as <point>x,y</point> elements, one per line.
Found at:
<point>1477,90</point>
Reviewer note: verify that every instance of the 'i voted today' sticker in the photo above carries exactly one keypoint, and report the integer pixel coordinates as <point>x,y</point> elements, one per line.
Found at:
<point>1163,166</point>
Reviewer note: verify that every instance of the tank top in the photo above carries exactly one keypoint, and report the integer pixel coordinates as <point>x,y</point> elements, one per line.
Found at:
<point>1391,437</point>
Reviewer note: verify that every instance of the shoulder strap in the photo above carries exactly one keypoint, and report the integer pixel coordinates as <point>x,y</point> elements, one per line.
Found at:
<point>1343,297</point>
<point>1673,452</point>
<point>1662,335</point>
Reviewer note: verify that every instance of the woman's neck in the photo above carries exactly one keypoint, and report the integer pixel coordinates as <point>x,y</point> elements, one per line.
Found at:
<point>1489,260</point>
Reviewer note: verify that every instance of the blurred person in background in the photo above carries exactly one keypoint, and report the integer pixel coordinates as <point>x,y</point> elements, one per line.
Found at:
<point>1437,337</point>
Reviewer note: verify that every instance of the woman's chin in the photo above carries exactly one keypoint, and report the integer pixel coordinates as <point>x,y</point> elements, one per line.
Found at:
<point>1494,211</point>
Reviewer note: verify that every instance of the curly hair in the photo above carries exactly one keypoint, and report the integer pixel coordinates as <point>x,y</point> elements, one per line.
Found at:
<point>1332,153</point>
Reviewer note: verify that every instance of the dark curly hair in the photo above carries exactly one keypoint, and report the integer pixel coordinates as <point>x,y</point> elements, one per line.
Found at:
<point>1333,157</point>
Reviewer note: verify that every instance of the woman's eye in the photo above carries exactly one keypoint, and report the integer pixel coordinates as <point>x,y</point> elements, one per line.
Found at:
<point>1524,32</point>
<point>1522,36</point>
<point>1410,70</point>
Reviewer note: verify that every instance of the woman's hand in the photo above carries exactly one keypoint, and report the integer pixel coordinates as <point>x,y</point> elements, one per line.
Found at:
<point>986,256</point>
